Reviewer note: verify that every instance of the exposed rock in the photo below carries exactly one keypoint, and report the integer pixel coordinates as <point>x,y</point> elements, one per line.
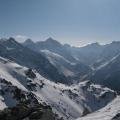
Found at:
<point>117,117</point>
<point>26,112</point>
<point>86,111</point>
<point>31,74</point>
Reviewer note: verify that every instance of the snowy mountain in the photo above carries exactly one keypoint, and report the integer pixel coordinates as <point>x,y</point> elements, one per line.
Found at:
<point>92,61</point>
<point>29,43</point>
<point>19,84</point>
<point>92,54</point>
<point>16,52</point>
<point>73,71</point>
<point>95,54</point>
<point>53,46</point>
<point>59,70</point>
<point>87,54</point>
<point>61,57</point>
<point>110,51</point>
<point>62,81</point>
<point>110,112</point>
<point>108,73</point>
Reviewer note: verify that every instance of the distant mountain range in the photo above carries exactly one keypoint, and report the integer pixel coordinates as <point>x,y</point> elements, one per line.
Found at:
<point>60,57</point>
<point>88,62</point>
<point>22,55</point>
<point>90,54</point>
<point>51,81</point>
<point>66,64</point>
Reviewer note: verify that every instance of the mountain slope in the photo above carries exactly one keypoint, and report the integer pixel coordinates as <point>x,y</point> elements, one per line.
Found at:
<point>110,112</point>
<point>110,51</point>
<point>87,54</point>
<point>14,51</point>
<point>74,71</point>
<point>61,57</point>
<point>20,83</point>
<point>108,74</point>
<point>95,54</point>
<point>53,46</point>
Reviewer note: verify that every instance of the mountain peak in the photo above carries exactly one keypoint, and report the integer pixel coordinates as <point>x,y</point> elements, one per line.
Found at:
<point>29,41</point>
<point>11,40</point>
<point>10,43</point>
<point>52,41</point>
<point>7,39</point>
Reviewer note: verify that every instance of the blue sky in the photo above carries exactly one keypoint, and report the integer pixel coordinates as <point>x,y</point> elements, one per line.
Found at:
<point>76,22</point>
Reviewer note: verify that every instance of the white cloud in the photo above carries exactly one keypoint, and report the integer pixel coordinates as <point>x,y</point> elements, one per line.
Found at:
<point>20,38</point>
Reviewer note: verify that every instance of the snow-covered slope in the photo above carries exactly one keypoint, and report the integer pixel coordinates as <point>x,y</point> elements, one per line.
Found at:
<point>55,56</point>
<point>110,112</point>
<point>104,64</point>
<point>72,70</point>
<point>62,64</point>
<point>69,102</point>
<point>108,74</point>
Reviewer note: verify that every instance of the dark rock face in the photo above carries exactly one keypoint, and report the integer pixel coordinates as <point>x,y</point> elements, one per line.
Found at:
<point>26,112</point>
<point>30,73</point>
<point>86,111</point>
<point>25,106</point>
<point>117,117</point>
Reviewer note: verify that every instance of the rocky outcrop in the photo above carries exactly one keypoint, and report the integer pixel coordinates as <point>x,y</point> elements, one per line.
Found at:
<point>30,73</point>
<point>26,112</point>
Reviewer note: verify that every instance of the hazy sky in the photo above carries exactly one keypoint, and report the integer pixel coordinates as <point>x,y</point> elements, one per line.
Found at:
<point>76,22</point>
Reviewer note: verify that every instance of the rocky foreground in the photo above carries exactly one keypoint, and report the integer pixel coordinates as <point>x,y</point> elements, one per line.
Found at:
<point>26,112</point>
